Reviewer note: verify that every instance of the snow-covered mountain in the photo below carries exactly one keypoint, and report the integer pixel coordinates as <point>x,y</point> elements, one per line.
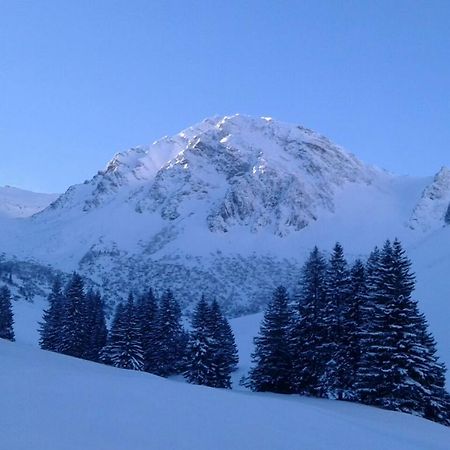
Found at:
<point>16,202</point>
<point>433,209</point>
<point>229,207</point>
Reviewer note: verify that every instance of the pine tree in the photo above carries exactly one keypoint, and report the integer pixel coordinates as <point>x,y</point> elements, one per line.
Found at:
<point>95,325</point>
<point>371,338</point>
<point>335,379</point>
<point>223,334</point>
<point>430,372</point>
<point>308,333</point>
<point>51,325</point>
<point>356,323</point>
<point>147,310</point>
<point>124,347</point>
<point>6,315</point>
<point>399,369</point>
<point>114,336</point>
<point>201,366</point>
<point>271,358</point>
<point>171,338</point>
<point>74,327</point>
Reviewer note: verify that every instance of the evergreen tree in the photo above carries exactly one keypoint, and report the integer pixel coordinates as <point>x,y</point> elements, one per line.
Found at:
<point>124,347</point>
<point>114,336</point>
<point>223,335</point>
<point>271,358</point>
<point>95,325</point>
<point>356,323</point>
<point>171,338</point>
<point>52,319</point>
<point>6,315</point>
<point>74,327</point>
<point>371,339</point>
<point>308,335</point>
<point>201,365</point>
<point>430,372</point>
<point>147,310</point>
<point>211,351</point>
<point>335,379</point>
<point>399,369</point>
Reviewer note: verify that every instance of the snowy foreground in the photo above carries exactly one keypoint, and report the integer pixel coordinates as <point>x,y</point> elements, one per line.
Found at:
<point>54,402</point>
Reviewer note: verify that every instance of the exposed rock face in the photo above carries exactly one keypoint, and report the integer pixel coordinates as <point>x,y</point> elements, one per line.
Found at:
<point>432,210</point>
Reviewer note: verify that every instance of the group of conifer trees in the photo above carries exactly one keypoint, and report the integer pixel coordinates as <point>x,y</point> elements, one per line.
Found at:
<point>352,333</point>
<point>145,334</point>
<point>6,315</point>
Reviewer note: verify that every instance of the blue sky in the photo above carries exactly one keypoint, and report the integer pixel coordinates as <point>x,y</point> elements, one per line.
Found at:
<point>82,80</point>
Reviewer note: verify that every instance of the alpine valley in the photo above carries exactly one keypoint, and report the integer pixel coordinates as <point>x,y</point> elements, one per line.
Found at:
<point>230,208</point>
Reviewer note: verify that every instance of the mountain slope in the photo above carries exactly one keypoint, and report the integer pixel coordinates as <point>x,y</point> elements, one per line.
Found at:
<point>230,208</point>
<point>50,401</point>
<point>16,202</point>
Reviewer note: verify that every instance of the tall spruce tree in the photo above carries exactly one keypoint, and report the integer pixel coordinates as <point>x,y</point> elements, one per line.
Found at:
<point>52,320</point>
<point>336,380</point>
<point>147,310</point>
<point>171,337</point>
<point>228,356</point>
<point>124,346</point>
<point>95,326</point>
<point>308,336</point>
<point>430,372</point>
<point>74,325</point>
<point>399,368</point>
<point>212,352</point>
<point>355,323</point>
<point>271,358</point>
<point>201,365</point>
<point>371,338</point>
<point>6,315</point>
<point>114,336</point>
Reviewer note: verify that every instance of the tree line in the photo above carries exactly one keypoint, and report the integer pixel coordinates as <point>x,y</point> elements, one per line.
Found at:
<point>352,333</point>
<point>146,334</point>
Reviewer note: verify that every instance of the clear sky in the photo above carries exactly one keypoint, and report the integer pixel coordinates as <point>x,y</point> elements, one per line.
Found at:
<point>81,80</point>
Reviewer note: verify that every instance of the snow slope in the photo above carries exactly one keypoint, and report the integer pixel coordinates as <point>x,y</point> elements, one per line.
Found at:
<point>16,202</point>
<point>53,402</point>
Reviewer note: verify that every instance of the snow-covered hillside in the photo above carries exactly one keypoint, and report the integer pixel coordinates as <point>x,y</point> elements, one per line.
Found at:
<point>51,401</point>
<point>230,208</point>
<point>16,202</point>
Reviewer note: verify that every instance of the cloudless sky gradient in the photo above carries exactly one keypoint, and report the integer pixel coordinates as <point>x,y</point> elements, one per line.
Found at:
<point>81,80</point>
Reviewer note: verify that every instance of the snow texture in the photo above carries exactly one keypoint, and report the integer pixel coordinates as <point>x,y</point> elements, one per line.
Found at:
<point>52,401</point>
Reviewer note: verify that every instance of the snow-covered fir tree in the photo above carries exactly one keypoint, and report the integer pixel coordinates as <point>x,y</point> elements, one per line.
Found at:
<point>74,332</point>
<point>201,362</point>
<point>147,312</point>
<point>355,323</point>
<point>6,315</point>
<point>227,355</point>
<point>95,326</point>
<point>308,336</point>
<point>271,359</point>
<point>399,369</point>
<point>124,345</point>
<point>336,379</point>
<point>171,337</point>
<point>50,329</point>
<point>212,351</point>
